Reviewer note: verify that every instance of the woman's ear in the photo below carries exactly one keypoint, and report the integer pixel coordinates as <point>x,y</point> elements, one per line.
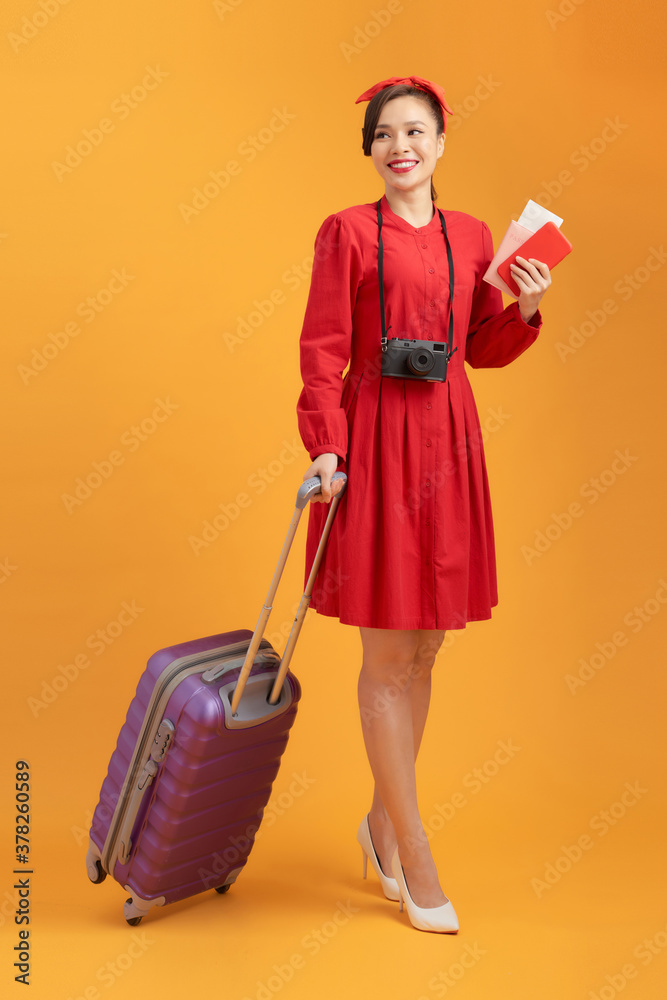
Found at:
<point>441,145</point>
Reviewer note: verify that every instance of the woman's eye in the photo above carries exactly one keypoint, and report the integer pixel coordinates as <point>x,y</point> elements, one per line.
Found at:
<point>380,135</point>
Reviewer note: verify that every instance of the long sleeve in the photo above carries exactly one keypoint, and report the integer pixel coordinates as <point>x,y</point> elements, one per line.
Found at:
<point>496,336</point>
<point>326,338</point>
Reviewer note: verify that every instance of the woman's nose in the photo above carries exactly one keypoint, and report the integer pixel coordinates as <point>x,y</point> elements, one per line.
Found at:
<point>400,144</point>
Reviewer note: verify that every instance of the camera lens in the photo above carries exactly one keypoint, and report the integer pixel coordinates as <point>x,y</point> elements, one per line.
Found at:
<point>420,361</point>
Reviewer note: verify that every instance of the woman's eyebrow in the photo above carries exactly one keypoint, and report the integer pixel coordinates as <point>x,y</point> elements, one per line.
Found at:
<point>381,125</point>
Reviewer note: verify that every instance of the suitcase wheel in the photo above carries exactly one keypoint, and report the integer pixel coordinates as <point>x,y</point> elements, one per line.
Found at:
<point>223,888</point>
<point>132,921</point>
<point>101,874</point>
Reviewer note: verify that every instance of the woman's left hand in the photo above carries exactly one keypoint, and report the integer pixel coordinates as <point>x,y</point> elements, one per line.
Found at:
<point>533,278</point>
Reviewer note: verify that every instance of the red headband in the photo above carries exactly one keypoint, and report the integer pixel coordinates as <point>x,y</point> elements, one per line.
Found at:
<point>414,81</point>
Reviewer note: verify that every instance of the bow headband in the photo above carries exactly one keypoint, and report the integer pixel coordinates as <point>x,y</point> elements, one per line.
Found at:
<point>434,89</point>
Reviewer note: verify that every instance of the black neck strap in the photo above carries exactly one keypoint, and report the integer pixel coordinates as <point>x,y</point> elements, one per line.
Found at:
<point>450,262</point>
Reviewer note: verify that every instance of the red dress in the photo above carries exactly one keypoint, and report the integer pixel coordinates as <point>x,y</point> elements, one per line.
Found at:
<point>412,542</point>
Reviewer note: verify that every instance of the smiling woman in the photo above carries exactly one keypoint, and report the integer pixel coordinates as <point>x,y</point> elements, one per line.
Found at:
<point>412,544</point>
<point>379,136</point>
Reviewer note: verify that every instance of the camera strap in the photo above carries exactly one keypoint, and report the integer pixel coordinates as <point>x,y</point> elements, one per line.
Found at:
<point>450,262</point>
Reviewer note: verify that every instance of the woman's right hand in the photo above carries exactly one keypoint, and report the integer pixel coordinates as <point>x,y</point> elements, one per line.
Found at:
<point>324,466</point>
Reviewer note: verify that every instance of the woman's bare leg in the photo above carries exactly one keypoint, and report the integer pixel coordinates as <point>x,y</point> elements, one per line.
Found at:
<point>394,693</point>
<point>428,644</point>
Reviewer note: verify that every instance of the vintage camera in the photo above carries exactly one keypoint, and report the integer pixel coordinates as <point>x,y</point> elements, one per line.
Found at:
<point>421,359</point>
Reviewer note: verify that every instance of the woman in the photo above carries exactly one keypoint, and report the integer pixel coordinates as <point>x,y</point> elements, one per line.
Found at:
<point>411,550</point>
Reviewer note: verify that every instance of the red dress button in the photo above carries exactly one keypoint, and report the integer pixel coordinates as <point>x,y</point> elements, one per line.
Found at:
<point>428,406</point>
<point>424,246</point>
<point>431,270</point>
<point>428,442</point>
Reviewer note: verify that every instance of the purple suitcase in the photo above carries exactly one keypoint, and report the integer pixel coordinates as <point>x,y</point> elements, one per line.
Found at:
<point>197,755</point>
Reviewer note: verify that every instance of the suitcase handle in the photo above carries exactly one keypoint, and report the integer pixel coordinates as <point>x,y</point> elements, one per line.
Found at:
<point>310,488</point>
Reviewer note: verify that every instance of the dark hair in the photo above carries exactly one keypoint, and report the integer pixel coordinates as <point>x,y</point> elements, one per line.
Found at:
<point>377,103</point>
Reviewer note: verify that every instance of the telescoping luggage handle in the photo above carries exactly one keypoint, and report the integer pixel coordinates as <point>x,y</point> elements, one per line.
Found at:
<point>309,489</point>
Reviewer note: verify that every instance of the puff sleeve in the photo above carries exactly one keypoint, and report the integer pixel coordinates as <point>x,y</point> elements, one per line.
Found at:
<point>326,338</point>
<point>496,336</point>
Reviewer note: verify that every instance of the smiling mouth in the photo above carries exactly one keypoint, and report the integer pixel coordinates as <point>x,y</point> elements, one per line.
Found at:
<point>403,164</point>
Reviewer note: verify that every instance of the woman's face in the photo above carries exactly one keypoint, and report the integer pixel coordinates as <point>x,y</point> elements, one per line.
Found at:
<point>405,148</point>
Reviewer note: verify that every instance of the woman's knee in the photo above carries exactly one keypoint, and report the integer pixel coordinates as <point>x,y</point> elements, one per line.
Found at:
<point>428,645</point>
<point>388,655</point>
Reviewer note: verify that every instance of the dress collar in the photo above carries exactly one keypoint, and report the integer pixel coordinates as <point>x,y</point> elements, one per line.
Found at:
<point>403,224</point>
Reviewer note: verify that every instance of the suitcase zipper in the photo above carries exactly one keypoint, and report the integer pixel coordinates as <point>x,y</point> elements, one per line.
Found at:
<point>139,769</point>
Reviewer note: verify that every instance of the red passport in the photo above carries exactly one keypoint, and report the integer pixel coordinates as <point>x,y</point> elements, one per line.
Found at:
<point>548,245</point>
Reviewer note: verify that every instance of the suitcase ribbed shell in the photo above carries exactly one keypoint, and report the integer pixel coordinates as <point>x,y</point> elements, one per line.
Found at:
<point>197,819</point>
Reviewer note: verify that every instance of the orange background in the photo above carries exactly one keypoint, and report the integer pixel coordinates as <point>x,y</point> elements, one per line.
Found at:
<point>534,87</point>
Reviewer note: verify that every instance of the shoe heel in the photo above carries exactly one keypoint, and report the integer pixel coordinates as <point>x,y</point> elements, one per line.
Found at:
<point>364,839</point>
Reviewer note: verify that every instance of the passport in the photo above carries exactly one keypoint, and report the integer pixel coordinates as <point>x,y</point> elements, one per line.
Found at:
<point>548,245</point>
<point>533,218</point>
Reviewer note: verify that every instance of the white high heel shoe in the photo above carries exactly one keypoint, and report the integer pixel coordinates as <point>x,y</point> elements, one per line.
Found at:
<point>389,885</point>
<point>430,918</point>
